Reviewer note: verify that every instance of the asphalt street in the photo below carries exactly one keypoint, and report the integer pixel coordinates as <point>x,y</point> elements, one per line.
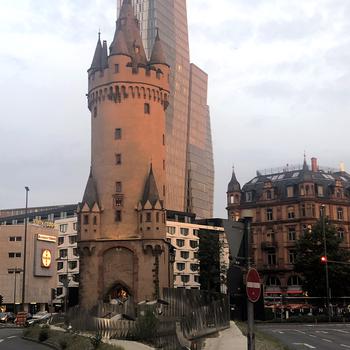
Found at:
<point>10,339</point>
<point>310,336</point>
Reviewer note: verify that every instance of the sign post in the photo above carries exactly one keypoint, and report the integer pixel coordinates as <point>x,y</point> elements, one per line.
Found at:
<point>253,288</point>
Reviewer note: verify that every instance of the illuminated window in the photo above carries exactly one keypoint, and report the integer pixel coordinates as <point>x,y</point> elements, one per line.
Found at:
<point>290,191</point>
<point>291,214</point>
<point>269,214</point>
<point>340,214</point>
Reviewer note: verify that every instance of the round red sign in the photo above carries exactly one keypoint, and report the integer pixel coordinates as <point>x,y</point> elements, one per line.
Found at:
<point>253,285</point>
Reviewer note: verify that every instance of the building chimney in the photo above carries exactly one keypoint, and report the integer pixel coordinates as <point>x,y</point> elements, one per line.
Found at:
<point>314,166</point>
<point>342,167</point>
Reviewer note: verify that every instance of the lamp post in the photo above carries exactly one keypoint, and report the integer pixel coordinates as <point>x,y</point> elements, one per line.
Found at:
<point>25,247</point>
<point>326,262</point>
<point>15,288</point>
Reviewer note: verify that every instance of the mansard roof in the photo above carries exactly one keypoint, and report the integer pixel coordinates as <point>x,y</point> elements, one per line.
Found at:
<point>293,176</point>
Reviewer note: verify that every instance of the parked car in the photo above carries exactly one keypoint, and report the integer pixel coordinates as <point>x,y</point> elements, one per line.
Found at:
<point>41,316</point>
<point>3,317</point>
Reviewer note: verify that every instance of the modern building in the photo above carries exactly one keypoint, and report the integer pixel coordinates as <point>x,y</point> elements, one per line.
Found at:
<point>122,218</point>
<point>285,203</point>
<point>38,272</point>
<point>190,166</point>
<point>64,219</point>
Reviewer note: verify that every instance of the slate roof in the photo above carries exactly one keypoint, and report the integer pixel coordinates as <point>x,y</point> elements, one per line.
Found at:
<point>150,192</point>
<point>283,179</point>
<point>90,195</point>
<point>157,55</point>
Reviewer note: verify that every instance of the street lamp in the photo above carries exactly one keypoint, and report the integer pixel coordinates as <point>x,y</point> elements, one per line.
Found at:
<point>25,247</point>
<point>325,260</point>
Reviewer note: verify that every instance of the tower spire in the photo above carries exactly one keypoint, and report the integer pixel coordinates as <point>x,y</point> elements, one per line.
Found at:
<point>96,61</point>
<point>157,55</point>
<point>233,185</point>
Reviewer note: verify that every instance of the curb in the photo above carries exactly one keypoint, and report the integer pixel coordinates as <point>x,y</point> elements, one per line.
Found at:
<point>48,344</point>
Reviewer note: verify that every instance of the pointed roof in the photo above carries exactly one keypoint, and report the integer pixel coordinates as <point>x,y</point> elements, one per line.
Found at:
<point>128,24</point>
<point>234,185</point>
<point>150,193</point>
<point>157,55</point>
<point>118,46</point>
<point>90,195</point>
<point>96,62</point>
<point>104,55</point>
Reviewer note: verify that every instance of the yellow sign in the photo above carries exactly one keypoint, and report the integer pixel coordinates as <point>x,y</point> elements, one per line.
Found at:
<point>48,224</point>
<point>46,258</point>
<point>46,238</point>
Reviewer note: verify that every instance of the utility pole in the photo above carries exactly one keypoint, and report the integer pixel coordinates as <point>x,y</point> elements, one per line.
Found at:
<point>323,209</point>
<point>250,306</point>
<point>25,248</point>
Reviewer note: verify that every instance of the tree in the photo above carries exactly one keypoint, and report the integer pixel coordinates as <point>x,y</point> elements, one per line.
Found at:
<point>310,249</point>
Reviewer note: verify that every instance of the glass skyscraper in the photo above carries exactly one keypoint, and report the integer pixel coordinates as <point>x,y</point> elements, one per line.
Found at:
<point>190,167</point>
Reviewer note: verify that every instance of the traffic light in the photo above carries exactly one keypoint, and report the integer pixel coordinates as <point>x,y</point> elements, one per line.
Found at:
<point>1,299</point>
<point>323,259</point>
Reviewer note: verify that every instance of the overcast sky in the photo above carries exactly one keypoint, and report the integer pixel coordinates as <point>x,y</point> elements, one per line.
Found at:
<point>279,85</point>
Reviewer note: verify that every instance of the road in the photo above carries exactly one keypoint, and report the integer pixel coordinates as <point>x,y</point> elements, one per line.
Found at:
<point>310,336</point>
<point>10,339</point>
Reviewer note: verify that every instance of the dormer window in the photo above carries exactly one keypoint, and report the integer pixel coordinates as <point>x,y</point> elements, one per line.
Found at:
<point>249,196</point>
<point>290,191</point>
<point>268,195</point>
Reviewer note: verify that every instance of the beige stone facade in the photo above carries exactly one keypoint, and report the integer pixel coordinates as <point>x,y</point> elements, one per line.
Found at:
<point>40,273</point>
<point>121,220</point>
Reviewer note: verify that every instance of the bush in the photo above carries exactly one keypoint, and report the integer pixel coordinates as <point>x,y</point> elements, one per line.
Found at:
<point>96,341</point>
<point>44,334</point>
<point>146,327</point>
<point>63,344</point>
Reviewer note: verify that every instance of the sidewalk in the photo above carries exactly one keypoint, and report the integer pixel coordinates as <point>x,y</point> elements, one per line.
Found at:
<point>230,338</point>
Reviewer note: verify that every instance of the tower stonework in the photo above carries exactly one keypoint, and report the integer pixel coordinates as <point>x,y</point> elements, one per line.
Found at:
<point>122,230</point>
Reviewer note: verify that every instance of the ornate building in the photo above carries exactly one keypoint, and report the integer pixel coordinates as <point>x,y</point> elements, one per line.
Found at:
<point>285,203</point>
<point>122,219</point>
<point>190,165</point>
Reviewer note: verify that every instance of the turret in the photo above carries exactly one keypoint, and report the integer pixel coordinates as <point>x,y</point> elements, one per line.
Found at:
<point>96,64</point>
<point>233,197</point>
<point>151,210</point>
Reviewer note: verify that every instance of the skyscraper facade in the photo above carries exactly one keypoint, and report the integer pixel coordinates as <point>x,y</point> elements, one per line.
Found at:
<point>190,167</point>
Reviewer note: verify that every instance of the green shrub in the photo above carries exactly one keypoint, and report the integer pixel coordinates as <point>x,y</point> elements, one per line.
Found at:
<point>96,341</point>
<point>43,334</point>
<point>63,344</point>
<point>146,327</point>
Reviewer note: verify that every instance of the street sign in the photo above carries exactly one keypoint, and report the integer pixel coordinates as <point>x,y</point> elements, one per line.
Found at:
<point>253,285</point>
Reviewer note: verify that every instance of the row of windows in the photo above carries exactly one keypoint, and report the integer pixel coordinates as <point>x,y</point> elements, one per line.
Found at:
<point>184,231</point>
<point>63,253</point>
<point>15,239</point>
<point>64,227</point>
<point>71,264</point>
<point>63,278</point>
<point>306,190</point>
<point>15,255</point>
<point>181,243</point>
<point>193,267</point>
<point>186,278</point>
<point>72,240</point>
<point>307,210</point>
<point>275,281</point>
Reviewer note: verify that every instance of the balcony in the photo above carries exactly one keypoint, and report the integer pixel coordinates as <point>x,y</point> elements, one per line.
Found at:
<point>267,245</point>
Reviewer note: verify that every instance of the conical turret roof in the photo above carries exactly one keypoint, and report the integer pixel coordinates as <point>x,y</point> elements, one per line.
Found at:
<point>96,61</point>
<point>118,46</point>
<point>234,185</point>
<point>150,192</point>
<point>90,195</point>
<point>128,24</point>
<point>157,55</point>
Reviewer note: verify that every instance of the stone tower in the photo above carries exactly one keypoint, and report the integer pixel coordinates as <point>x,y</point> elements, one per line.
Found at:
<point>233,198</point>
<point>122,230</point>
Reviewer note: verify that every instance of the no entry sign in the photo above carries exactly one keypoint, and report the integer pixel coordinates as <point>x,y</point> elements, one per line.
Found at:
<point>253,285</point>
